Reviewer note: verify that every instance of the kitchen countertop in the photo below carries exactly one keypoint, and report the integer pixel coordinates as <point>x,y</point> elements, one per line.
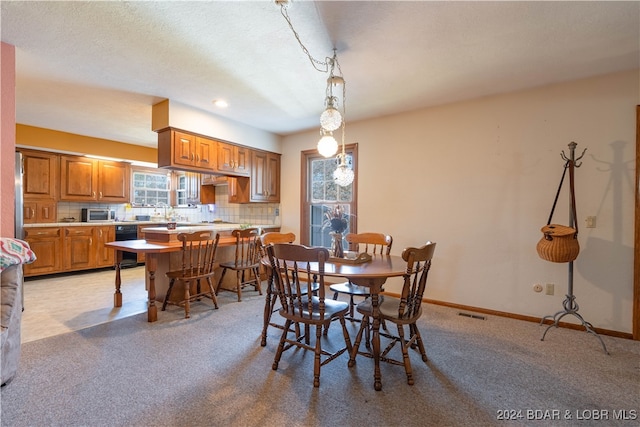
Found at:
<point>154,226</point>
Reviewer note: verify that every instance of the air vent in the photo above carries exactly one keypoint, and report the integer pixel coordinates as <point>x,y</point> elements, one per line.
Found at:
<point>473,316</point>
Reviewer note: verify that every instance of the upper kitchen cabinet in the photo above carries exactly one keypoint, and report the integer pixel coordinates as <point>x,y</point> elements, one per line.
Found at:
<point>39,186</point>
<point>265,176</point>
<point>84,179</point>
<point>181,150</point>
<point>233,159</point>
<point>40,174</point>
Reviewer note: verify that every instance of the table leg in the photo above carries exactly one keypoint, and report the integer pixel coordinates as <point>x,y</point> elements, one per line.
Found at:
<point>151,264</point>
<point>117,296</point>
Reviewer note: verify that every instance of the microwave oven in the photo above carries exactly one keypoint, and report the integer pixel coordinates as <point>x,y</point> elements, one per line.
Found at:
<point>97,215</point>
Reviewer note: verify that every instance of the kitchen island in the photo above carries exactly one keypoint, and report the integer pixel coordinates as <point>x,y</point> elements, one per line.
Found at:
<point>162,251</point>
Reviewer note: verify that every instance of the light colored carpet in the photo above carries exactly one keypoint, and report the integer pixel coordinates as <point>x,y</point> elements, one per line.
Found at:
<point>210,370</point>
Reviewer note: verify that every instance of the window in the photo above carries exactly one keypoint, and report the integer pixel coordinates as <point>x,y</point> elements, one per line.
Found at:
<point>320,194</point>
<point>151,188</point>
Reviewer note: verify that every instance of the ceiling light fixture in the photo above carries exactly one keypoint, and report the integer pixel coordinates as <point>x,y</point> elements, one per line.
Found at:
<point>331,118</point>
<point>220,103</point>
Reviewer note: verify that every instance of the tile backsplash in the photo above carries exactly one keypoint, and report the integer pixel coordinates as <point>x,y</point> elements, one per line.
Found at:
<point>252,213</point>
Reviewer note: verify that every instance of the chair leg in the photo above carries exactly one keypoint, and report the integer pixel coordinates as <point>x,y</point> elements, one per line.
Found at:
<point>345,334</point>
<point>239,278</point>
<point>278,355</point>
<point>414,331</point>
<point>405,355</point>
<point>256,273</point>
<point>168,294</point>
<point>213,293</point>
<point>269,303</point>
<point>224,271</point>
<point>356,345</point>
<point>316,358</point>
<point>187,298</point>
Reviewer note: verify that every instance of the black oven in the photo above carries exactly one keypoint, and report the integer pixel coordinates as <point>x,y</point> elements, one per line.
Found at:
<point>127,232</point>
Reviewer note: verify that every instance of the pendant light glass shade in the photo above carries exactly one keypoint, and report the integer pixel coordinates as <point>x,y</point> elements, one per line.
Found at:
<point>331,119</point>
<point>327,146</point>
<point>343,175</point>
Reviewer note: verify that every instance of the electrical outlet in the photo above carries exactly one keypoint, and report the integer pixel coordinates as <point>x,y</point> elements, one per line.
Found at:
<point>277,211</point>
<point>537,287</point>
<point>591,222</point>
<point>550,289</point>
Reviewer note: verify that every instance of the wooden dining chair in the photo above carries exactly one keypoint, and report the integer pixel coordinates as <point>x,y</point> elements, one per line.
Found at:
<point>272,294</point>
<point>403,311</point>
<point>246,263</point>
<point>371,243</point>
<point>293,273</point>
<point>198,259</point>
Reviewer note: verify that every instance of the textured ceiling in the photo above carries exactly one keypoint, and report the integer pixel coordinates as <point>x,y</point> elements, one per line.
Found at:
<point>96,68</point>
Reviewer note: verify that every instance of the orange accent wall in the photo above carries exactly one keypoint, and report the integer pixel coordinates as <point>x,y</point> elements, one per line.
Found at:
<point>8,135</point>
<point>47,139</point>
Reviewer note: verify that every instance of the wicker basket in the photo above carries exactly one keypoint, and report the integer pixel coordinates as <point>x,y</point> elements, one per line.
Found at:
<point>559,243</point>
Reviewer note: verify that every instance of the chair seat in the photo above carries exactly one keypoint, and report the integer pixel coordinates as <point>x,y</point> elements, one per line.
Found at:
<point>350,288</point>
<point>387,307</point>
<point>332,309</point>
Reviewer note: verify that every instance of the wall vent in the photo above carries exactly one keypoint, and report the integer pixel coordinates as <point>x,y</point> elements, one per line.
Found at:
<point>473,316</point>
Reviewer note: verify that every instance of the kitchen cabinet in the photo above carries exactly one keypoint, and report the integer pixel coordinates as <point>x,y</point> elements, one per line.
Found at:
<point>39,211</point>
<point>40,174</point>
<point>79,252</point>
<point>141,257</point>
<point>265,177</point>
<point>69,248</point>
<point>83,179</point>
<point>39,186</point>
<point>181,150</point>
<point>233,159</point>
<point>84,247</point>
<point>105,256</point>
<point>188,188</point>
<point>46,243</point>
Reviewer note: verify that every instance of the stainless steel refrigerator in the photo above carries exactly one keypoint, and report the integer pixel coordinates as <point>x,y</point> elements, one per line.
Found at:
<point>19,223</point>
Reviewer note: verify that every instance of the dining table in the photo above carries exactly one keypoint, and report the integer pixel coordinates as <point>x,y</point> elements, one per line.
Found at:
<point>373,274</point>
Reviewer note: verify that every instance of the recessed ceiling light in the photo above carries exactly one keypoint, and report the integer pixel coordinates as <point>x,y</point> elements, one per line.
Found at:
<point>220,103</point>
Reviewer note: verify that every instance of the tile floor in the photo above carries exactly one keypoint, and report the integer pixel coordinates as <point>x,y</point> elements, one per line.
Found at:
<point>63,303</point>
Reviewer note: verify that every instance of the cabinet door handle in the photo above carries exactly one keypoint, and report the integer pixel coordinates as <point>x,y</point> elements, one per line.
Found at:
<point>93,194</point>
<point>33,212</point>
<point>101,194</point>
<point>90,241</point>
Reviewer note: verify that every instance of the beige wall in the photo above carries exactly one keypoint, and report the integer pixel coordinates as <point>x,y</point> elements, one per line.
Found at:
<point>479,178</point>
<point>8,135</point>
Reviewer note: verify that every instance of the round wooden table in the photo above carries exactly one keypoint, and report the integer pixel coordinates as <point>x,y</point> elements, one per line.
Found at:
<point>373,275</point>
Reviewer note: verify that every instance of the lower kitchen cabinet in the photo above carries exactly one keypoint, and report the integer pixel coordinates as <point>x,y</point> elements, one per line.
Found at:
<point>72,248</point>
<point>105,257</point>
<point>46,243</point>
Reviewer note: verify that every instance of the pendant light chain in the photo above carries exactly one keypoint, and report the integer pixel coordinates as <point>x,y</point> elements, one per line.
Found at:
<point>325,65</point>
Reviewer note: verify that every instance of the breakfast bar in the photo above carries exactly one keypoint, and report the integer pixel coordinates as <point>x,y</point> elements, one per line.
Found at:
<point>161,247</point>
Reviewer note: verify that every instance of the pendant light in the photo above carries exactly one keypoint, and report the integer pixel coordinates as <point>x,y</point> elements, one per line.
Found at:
<point>331,118</point>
